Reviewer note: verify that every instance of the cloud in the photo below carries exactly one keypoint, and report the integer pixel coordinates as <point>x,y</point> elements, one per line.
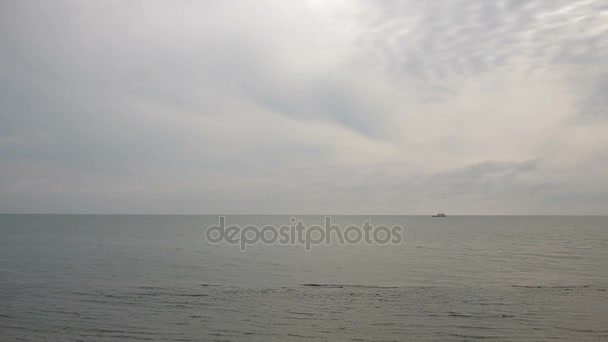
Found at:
<point>593,105</point>
<point>311,107</point>
<point>440,43</point>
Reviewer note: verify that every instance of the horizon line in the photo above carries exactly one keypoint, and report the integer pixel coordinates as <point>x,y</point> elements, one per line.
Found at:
<point>338,214</point>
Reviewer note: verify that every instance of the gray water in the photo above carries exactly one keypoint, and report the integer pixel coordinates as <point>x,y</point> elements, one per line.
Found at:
<point>110,278</point>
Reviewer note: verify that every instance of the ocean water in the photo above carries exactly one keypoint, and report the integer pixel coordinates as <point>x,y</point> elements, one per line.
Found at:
<point>155,278</point>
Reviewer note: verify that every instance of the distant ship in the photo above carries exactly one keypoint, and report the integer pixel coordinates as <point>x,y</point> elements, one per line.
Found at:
<point>440,215</point>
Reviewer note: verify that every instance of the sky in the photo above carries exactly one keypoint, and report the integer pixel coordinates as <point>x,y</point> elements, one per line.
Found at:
<point>304,107</point>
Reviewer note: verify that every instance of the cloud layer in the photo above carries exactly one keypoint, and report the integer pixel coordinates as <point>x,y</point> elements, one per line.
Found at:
<point>375,107</point>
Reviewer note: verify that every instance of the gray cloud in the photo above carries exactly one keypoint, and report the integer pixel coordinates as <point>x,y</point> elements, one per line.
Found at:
<point>593,105</point>
<point>465,106</point>
<point>434,41</point>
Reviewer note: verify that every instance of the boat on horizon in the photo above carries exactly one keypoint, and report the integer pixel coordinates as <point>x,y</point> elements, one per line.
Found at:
<point>440,215</point>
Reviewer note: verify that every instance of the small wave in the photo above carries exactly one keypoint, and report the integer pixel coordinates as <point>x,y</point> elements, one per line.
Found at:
<point>476,337</point>
<point>324,285</point>
<point>348,285</point>
<point>303,336</point>
<point>121,337</point>
<point>457,314</point>
<point>563,287</point>
<point>301,313</point>
<point>152,294</point>
<point>384,324</point>
<point>118,331</point>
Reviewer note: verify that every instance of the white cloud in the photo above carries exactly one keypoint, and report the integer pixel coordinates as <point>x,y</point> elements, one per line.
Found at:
<point>303,107</point>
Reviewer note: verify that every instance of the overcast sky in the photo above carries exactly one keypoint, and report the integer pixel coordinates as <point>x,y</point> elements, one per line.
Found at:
<point>294,107</point>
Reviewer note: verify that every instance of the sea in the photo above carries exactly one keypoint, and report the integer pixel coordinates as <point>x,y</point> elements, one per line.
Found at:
<point>157,278</point>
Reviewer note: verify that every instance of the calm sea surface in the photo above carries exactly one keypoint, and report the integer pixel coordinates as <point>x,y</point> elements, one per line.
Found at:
<point>155,278</point>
